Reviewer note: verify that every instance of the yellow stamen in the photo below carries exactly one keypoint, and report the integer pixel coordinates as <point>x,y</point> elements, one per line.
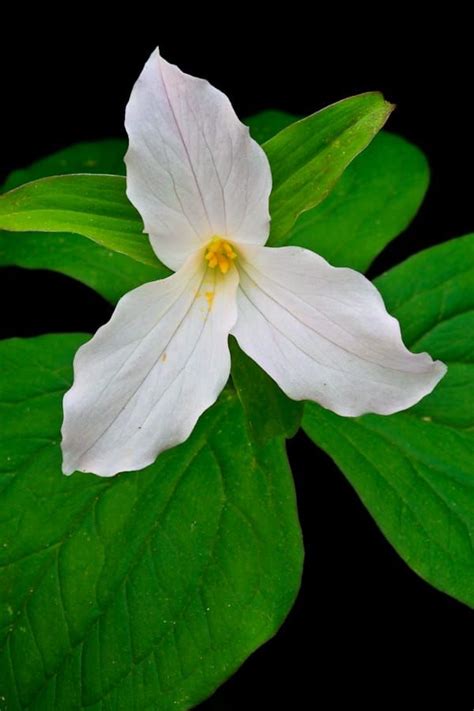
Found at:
<point>219,253</point>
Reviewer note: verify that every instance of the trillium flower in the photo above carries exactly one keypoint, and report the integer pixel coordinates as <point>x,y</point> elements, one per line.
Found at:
<point>202,187</point>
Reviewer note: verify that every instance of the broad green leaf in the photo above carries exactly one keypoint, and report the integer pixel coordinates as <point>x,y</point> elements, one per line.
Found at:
<point>94,206</point>
<point>268,411</point>
<point>308,157</point>
<point>413,470</point>
<point>375,200</point>
<point>144,591</point>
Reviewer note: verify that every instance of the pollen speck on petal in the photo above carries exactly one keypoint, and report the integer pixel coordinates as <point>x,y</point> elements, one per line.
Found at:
<point>210,298</point>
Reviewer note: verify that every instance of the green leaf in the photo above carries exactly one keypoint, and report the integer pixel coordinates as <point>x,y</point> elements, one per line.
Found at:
<point>375,200</point>
<point>144,591</point>
<point>413,470</point>
<point>267,124</point>
<point>268,411</point>
<point>94,206</point>
<point>308,157</point>
<point>103,157</point>
<point>109,273</point>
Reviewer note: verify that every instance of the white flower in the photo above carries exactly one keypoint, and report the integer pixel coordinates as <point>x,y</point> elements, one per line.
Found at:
<point>202,187</point>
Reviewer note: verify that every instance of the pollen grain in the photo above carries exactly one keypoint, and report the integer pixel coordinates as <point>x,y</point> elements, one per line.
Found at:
<point>209,296</point>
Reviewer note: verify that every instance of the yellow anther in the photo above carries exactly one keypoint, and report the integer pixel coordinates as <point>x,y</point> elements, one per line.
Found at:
<point>220,253</point>
<point>212,259</point>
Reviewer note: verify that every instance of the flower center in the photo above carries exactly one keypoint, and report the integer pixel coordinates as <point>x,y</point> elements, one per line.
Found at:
<point>220,254</point>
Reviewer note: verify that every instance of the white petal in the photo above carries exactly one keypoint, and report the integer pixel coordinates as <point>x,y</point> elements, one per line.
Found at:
<point>193,172</point>
<point>143,380</point>
<point>323,334</point>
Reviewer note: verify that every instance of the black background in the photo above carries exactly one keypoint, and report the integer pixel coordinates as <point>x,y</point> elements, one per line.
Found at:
<point>365,629</point>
